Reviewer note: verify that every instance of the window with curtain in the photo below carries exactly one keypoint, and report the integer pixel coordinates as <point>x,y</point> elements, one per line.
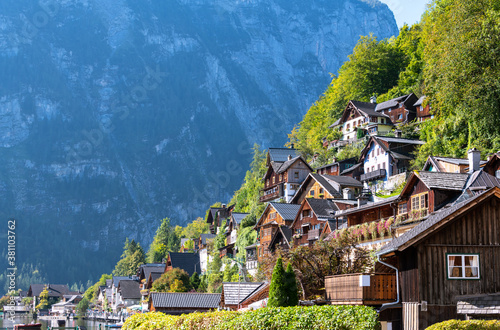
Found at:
<point>463,266</point>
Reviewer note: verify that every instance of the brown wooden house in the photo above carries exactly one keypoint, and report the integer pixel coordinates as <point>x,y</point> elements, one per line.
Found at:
<point>322,186</point>
<point>492,166</point>
<point>282,239</point>
<point>274,215</point>
<point>354,172</point>
<point>401,110</point>
<point>337,167</point>
<point>285,172</point>
<point>447,261</point>
<point>190,262</point>
<point>423,110</point>
<point>311,219</point>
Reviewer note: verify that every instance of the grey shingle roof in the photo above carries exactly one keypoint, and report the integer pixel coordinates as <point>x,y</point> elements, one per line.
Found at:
<point>399,140</point>
<point>117,279</point>
<point>335,123</point>
<point>287,211</point>
<point>432,220</point>
<point>155,276</point>
<point>323,208</point>
<point>190,262</point>
<point>442,180</point>
<point>281,154</point>
<point>343,180</point>
<point>238,217</point>
<point>486,304</point>
<point>55,290</point>
<point>185,300</point>
<point>420,101</point>
<point>146,269</point>
<point>367,108</point>
<point>129,289</point>
<point>370,206</point>
<point>392,103</point>
<point>481,180</point>
<point>350,169</point>
<point>109,283</point>
<point>204,238</point>
<point>234,292</point>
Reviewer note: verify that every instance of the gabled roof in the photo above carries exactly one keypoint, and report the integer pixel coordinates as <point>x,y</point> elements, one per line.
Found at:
<point>190,262</point>
<point>329,183</point>
<point>441,180</point>
<point>154,276</point>
<point>55,290</point>
<point>420,101</point>
<point>368,206</point>
<point>234,293</point>
<point>212,214</point>
<point>146,269</point>
<point>281,167</point>
<point>117,279</point>
<point>323,208</point>
<point>365,108</point>
<point>205,237</point>
<point>238,217</point>
<point>283,231</point>
<point>129,289</point>
<point>287,211</point>
<point>480,180</point>
<point>185,300</point>
<point>435,221</point>
<point>433,160</point>
<point>395,102</point>
<point>351,160</point>
<point>281,154</point>
<point>350,169</point>
<point>390,139</point>
<point>109,283</point>
<point>344,181</point>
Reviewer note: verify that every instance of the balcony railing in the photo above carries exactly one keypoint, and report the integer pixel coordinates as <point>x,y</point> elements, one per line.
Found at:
<point>361,289</point>
<point>268,197</point>
<point>313,234</point>
<point>373,175</point>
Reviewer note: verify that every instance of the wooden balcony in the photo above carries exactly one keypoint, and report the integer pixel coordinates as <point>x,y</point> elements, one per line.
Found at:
<point>313,234</point>
<point>361,289</point>
<point>269,197</point>
<point>373,175</point>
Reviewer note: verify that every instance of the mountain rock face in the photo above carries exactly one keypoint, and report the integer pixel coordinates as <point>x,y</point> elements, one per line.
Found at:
<point>117,113</point>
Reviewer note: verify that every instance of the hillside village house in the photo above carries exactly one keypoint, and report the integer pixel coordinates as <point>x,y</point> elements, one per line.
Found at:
<point>190,262</point>
<point>448,265</point>
<point>423,110</point>
<point>202,245</point>
<point>385,157</point>
<point>361,115</point>
<point>218,216</point>
<point>282,239</point>
<point>56,291</point>
<point>401,110</point>
<point>337,167</point>
<point>177,303</point>
<point>143,273</point>
<point>323,186</point>
<point>128,293</point>
<point>240,296</point>
<point>233,224</point>
<point>285,172</point>
<point>447,164</point>
<point>274,215</point>
<point>311,220</point>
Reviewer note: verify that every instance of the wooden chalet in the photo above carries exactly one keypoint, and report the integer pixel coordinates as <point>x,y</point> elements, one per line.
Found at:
<point>354,171</point>
<point>311,219</point>
<point>385,157</point>
<point>56,291</point>
<point>336,167</point>
<point>492,166</point>
<point>361,115</point>
<point>332,225</point>
<point>128,293</point>
<point>401,110</point>
<point>322,186</point>
<point>274,215</point>
<point>427,192</point>
<point>218,216</point>
<point>190,262</point>
<point>423,110</point>
<point>202,241</point>
<point>285,172</point>
<point>448,265</point>
<point>176,303</point>
<point>143,273</point>
<point>447,164</point>
<point>240,295</point>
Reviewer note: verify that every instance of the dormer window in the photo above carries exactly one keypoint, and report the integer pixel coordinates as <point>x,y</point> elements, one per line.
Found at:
<point>311,192</point>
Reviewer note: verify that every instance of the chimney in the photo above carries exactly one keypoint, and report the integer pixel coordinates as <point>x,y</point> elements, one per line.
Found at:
<point>347,193</point>
<point>373,99</point>
<point>474,159</point>
<point>289,157</point>
<point>398,133</point>
<point>292,145</point>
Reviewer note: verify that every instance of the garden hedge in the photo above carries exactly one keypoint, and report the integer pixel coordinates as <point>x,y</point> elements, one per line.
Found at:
<point>293,318</point>
<point>466,325</point>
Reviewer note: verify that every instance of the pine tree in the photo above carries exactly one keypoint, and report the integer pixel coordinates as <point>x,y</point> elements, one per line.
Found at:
<point>277,289</point>
<point>291,287</point>
<point>195,280</point>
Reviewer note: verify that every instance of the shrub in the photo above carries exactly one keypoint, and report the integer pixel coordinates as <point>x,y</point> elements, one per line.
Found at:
<point>300,318</point>
<point>466,325</point>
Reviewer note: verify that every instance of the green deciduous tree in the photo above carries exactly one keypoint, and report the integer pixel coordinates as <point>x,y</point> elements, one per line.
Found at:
<point>166,240</point>
<point>44,299</point>
<point>174,279</point>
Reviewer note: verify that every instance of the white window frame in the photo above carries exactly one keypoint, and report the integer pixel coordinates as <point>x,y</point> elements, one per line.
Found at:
<point>463,266</point>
